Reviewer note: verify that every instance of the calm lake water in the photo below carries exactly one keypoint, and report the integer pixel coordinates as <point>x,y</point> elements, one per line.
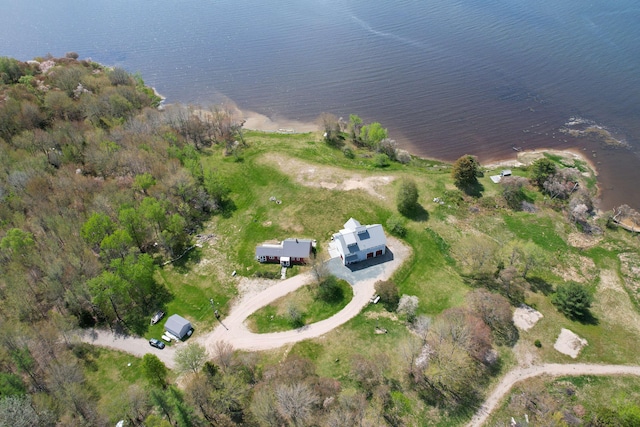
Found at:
<point>446,77</point>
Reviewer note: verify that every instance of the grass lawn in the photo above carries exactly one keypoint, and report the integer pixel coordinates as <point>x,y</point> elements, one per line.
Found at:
<point>112,373</point>
<point>276,316</point>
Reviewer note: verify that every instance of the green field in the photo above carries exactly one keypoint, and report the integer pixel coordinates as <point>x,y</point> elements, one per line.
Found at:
<point>272,166</point>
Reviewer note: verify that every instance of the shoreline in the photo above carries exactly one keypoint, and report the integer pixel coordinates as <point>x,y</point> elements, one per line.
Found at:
<point>526,157</point>
<point>262,123</point>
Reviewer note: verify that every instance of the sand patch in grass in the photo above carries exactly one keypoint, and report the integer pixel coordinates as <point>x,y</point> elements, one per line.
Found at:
<point>569,343</point>
<point>525,317</point>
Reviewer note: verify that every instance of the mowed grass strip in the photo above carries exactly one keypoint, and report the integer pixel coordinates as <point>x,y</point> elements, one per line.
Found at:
<point>277,316</point>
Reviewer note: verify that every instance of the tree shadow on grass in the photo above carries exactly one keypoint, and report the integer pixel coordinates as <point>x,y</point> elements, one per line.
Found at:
<point>228,208</point>
<point>473,190</point>
<point>538,284</point>
<point>184,264</point>
<point>417,213</point>
<point>587,319</point>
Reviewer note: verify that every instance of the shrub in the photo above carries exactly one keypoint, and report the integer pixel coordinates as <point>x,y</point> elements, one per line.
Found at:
<point>537,343</point>
<point>395,225</point>
<point>407,198</point>
<point>388,293</point>
<point>348,153</point>
<point>403,157</point>
<point>329,290</point>
<point>381,161</point>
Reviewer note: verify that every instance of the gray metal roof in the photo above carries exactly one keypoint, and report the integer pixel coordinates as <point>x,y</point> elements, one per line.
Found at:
<point>294,248</point>
<point>177,325</point>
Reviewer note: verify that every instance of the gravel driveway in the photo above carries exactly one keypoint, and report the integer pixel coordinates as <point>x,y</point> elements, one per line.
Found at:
<point>233,330</point>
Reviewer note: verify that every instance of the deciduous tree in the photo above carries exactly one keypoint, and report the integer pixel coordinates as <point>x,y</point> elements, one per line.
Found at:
<point>154,370</point>
<point>190,358</point>
<point>407,197</point>
<point>387,290</point>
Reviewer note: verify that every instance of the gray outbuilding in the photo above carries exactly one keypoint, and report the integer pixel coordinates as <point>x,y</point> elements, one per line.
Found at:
<point>178,326</point>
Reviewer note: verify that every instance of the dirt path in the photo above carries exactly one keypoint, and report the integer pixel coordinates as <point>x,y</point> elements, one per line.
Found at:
<point>552,369</point>
<point>234,331</point>
<point>132,345</point>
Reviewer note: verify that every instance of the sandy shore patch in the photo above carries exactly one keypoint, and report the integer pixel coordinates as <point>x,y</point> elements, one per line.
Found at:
<point>524,158</point>
<point>525,317</point>
<point>569,343</point>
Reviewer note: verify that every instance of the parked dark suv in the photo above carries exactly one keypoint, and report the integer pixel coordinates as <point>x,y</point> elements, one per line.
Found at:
<point>156,343</point>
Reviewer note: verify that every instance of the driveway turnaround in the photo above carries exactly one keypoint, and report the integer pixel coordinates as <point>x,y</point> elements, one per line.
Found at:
<point>361,276</point>
<point>127,343</point>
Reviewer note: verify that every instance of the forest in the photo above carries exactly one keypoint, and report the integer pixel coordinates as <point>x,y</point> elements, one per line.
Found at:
<point>104,190</point>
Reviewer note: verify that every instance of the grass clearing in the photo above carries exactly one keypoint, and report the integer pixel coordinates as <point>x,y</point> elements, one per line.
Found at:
<point>276,316</point>
<point>112,373</point>
<point>579,396</point>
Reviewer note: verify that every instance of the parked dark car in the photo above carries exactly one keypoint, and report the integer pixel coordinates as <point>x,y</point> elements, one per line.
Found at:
<point>156,343</point>
<point>157,317</point>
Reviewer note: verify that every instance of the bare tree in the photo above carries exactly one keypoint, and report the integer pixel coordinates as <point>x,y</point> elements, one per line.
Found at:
<point>477,253</point>
<point>421,327</point>
<point>496,312</point>
<point>408,306</point>
<point>295,402</point>
<point>223,354</point>
<point>265,407</point>
<point>368,372</point>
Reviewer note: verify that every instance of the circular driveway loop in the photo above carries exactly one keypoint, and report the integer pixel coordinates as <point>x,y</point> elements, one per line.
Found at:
<point>362,278</point>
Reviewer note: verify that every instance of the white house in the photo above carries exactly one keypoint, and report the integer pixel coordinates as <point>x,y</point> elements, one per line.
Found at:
<point>287,252</point>
<point>357,242</point>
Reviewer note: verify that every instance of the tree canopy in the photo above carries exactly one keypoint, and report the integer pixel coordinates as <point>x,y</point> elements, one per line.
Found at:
<point>465,171</point>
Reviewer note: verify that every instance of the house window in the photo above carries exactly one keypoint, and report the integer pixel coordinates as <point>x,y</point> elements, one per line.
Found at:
<point>379,252</point>
<point>370,255</point>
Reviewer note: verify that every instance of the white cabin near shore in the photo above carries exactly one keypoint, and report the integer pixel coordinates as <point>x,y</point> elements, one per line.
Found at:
<point>357,242</point>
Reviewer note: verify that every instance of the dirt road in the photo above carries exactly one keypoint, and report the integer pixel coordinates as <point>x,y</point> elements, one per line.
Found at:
<point>234,331</point>
<point>552,369</point>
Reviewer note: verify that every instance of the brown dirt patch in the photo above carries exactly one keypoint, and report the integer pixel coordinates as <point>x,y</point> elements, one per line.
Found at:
<point>583,241</point>
<point>577,269</point>
<point>328,177</point>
